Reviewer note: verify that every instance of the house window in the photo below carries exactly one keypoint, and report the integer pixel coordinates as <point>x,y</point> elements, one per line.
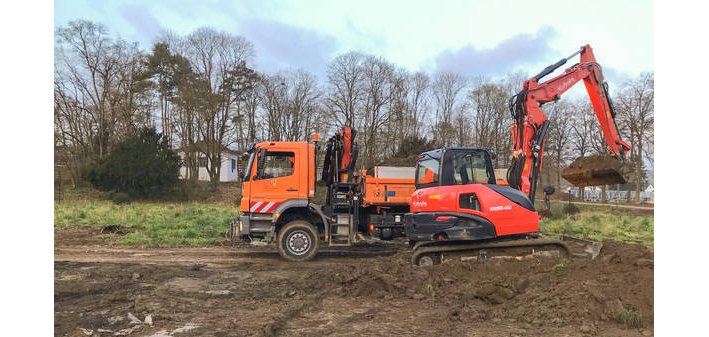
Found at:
<point>233,165</point>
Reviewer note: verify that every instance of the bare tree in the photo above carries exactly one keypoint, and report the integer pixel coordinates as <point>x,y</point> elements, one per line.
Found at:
<point>345,94</point>
<point>490,118</point>
<point>220,59</point>
<point>99,94</point>
<point>447,87</point>
<point>582,131</point>
<point>559,138</point>
<point>636,110</point>
<point>418,100</point>
<point>379,88</point>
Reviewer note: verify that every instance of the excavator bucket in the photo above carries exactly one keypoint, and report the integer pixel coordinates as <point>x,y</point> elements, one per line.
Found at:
<point>594,171</point>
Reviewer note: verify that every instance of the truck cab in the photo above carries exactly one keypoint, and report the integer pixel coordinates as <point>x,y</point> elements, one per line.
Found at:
<point>278,177</point>
<point>279,186</point>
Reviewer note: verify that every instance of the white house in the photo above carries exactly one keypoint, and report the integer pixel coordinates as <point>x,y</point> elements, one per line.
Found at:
<point>229,167</point>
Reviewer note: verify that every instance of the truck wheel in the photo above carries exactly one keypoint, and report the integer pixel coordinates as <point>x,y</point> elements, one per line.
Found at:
<point>298,241</point>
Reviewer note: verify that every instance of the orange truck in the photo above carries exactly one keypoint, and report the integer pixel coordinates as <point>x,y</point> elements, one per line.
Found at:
<point>279,186</point>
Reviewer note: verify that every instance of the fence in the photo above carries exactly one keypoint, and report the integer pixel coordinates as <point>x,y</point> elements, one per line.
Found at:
<point>594,195</point>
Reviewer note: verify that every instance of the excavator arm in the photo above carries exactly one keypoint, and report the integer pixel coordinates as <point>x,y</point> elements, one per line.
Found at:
<point>530,125</point>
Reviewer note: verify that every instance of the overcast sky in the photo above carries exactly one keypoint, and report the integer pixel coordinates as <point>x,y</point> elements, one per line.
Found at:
<point>487,38</point>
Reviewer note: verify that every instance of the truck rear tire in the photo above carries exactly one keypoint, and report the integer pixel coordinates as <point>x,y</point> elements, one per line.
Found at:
<point>298,241</point>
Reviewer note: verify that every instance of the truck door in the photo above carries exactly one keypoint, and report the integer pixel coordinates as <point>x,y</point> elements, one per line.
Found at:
<point>275,181</point>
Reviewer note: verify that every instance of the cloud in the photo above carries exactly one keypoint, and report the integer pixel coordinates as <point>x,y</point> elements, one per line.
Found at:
<point>616,79</point>
<point>144,24</point>
<point>509,55</point>
<point>280,46</point>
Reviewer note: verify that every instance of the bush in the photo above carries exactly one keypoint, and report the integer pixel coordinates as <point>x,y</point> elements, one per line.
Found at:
<point>571,209</point>
<point>142,166</point>
<point>120,198</point>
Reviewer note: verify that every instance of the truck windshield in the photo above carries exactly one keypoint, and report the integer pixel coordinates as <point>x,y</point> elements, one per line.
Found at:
<point>247,172</point>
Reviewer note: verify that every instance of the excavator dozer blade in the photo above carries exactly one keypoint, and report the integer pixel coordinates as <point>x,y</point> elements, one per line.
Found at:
<point>594,171</point>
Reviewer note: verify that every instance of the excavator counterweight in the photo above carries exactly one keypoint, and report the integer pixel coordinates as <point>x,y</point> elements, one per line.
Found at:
<point>595,171</point>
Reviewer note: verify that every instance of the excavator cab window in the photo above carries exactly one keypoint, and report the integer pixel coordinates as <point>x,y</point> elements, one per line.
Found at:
<point>427,172</point>
<point>462,167</point>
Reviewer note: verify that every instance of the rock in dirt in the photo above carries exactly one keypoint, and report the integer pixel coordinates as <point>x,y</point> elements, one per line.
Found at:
<point>135,276</point>
<point>149,320</point>
<point>522,285</point>
<point>87,332</point>
<point>185,328</point>
<point>387,279</point>
<point>505,293</point>
<point>484,291</point>
<point>115,319</point>
<point>596,294</point>
<point>495,299</point>
<point>133,319</point>
<point>218,292</point>
<point>494,294</point>
<point>127,331</point>
<point>586,329</point>
<point>197,266</point>
<point>645,263</point>
<point>614,308</point>
<point>613,257</point>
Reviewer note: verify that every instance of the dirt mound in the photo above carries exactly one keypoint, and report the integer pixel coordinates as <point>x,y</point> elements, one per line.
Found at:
<point>595,171</point>
<point>534,291</point>
<point>220,293</point>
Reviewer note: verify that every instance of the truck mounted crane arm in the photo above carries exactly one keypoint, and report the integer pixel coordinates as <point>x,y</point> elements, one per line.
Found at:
<point>530,125</point>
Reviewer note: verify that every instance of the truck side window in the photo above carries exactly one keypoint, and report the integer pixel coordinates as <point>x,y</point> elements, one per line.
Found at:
<point>278,164</point>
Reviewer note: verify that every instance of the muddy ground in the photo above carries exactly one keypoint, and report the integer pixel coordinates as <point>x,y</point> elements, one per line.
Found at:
<point>222,291</point>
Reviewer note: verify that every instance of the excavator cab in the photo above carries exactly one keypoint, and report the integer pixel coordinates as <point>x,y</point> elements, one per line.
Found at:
<point>454,166</point>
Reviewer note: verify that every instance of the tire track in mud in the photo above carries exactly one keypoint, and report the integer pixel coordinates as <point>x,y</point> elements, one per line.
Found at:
<point>279,325</point>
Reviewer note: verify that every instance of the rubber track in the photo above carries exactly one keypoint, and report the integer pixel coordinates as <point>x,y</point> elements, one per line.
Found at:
<point>422,248</point>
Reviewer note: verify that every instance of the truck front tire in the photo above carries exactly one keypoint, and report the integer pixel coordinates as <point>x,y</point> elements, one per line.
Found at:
<point>298,241</point>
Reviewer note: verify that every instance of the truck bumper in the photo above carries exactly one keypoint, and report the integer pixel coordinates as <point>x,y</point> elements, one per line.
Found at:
<point>255,225</point>
<point>447,226</point>
<point>244,225</point>
<point>387,225</point>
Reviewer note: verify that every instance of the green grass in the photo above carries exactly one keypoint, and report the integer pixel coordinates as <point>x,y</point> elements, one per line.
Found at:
<point>162,224</point>
<point>149,223</point>
<point>601,223</point>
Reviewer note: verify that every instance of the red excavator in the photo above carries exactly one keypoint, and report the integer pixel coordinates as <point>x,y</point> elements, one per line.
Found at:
<point>458,207</point>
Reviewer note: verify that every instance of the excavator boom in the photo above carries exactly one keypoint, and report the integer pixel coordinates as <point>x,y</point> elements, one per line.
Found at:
<point>531,125</point>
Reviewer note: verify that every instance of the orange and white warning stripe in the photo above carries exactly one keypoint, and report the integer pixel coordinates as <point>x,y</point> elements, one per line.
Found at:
<point>263,207</point>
